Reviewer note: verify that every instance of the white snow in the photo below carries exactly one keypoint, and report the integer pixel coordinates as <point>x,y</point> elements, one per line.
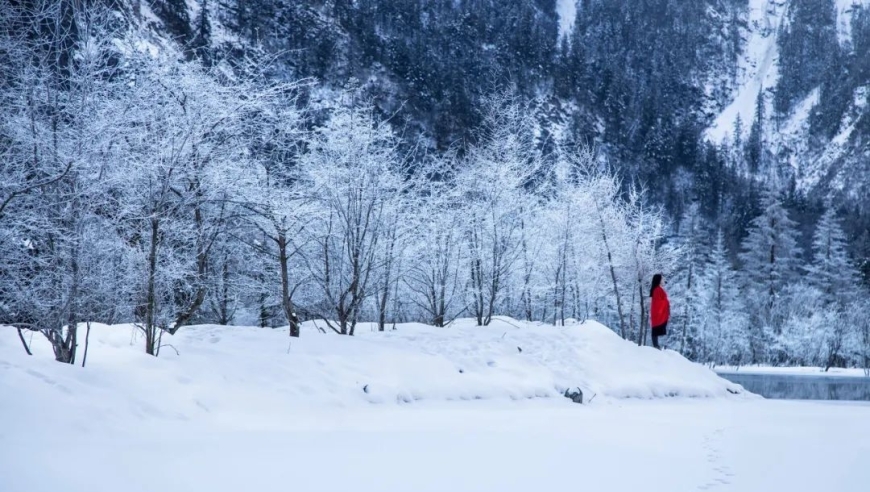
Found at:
<point>798,121</point>
<point>814,168</point>
<point>793,135</point>
<point>469,447</point>
<point>567,10</point>
<point>226,373</point>
<point>236,410</point>
<point>792,371</point>
<point>758,68</point>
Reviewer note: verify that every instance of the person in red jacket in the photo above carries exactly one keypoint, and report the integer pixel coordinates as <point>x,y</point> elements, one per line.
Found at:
<point>659,311</point>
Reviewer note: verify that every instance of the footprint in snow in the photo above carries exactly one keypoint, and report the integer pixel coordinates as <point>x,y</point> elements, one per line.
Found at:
<point>722,473</point>
<point>49,381</point>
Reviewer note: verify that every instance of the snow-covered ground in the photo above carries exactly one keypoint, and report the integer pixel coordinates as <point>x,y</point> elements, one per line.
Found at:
<point>417,409</point>
<point>665,446</point>
<point>216,365</point>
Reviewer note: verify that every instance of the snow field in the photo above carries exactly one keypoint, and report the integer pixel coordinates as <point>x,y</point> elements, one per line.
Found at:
<point>233,411</point>
<point>540,445</point>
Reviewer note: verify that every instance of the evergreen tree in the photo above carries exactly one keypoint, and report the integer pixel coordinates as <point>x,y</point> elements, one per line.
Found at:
<point>831,271</point>
<point>807,48</point>
<point>769,261</point>
<point>202,40</point>
<point>738,132</point>
<point>175,17</point>
<point>688,286</point>
<point>755,142</point>
<point>725,332</point>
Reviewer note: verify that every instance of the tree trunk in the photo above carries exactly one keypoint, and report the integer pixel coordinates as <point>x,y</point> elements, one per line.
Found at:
<point>616,293</point>
<point>150,296</point>
<point>382,309</point>
<point>441,302</point>
<point>622,331</point>
<point>686,321</point>
<point>286,301</point>
<point>87,341</point>
<point>385,291</point>
<point>526,296</point>
<point>202,247</point>
<point>641,338</point>
<point>24,342</point>
<point>477,284</point>
<point>224,307</point>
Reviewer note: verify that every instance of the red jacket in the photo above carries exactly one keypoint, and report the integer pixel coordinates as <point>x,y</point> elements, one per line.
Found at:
<point>660,308</point>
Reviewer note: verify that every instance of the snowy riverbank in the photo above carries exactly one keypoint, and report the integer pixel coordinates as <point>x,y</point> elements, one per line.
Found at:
<point>794,371</point>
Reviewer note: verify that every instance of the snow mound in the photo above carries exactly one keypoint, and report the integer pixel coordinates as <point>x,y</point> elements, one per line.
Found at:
<point>256,377</point>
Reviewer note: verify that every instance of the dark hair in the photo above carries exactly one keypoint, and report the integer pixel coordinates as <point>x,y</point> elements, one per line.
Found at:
<point>657,280</point>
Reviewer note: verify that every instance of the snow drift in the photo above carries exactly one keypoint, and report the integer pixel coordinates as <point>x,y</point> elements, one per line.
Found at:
<point>251,376</point>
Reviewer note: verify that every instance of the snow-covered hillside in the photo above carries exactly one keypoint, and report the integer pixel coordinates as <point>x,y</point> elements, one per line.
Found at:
<point>757,68</point>
<point>845,8</point>
<point>248,376</point>
<point>814,162</point>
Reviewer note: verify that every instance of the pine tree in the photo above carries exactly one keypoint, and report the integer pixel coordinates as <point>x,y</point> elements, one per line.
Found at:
<point>738,132</point>
<point>769,260</point>
<point>807,49</point>
<point>176,18</point>
<point>725,333</point>
<point>202,41</point>
<point>831,271</point>
<point>755,142</point>
<point>688,286</point>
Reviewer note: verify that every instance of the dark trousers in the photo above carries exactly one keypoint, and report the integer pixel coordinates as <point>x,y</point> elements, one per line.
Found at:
<point>659,331</point>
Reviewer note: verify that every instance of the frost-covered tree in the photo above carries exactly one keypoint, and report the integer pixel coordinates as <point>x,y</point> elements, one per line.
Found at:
<point>648,258</point>
<point>276,209</point>
<point>187,162</point>
<point>563,243</point>
<point>689,284</point>
<point>859,342</point>
<point>755,148</point>
<point>831,286</point>
<point>51,137</point>
<point>492,182</point>
<point>831,271</point>
<point>769,263</point>
<point>352,172</point>
<point>725,331</point>
<point>436,256</point>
